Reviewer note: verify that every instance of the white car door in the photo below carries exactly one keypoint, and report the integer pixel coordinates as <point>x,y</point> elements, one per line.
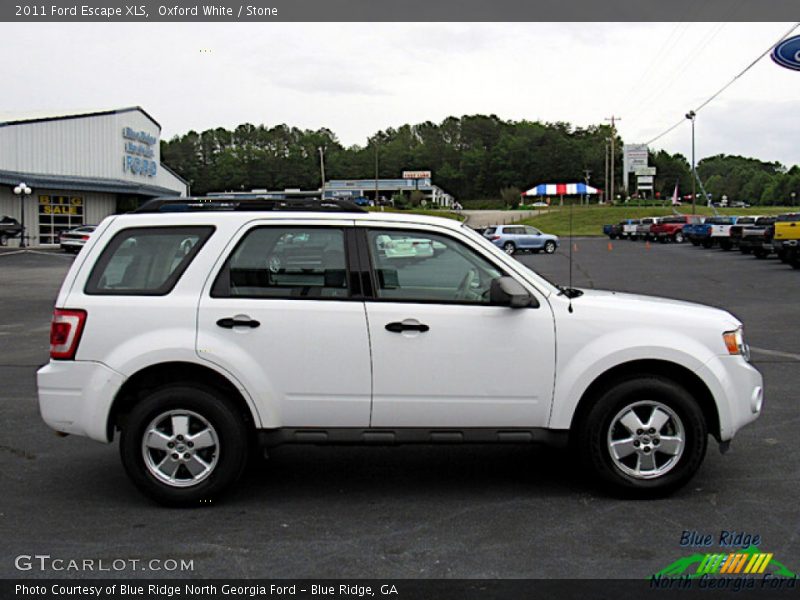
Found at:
<point>442,354</point>
<point>281,316</point>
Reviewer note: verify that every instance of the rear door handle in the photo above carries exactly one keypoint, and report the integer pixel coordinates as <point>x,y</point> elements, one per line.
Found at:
<point>401,326</point>
<point>230,323</point>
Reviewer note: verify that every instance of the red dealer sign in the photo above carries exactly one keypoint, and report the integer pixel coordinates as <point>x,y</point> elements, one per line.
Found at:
<point>416,174</point>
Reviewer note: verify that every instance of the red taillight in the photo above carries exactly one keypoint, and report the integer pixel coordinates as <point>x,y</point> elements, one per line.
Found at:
<point>65,332</point>
<point>494,238</point>
<point>84,237</point>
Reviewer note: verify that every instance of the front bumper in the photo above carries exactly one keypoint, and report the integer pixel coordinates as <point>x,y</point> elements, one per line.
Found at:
<point>738,389</point>
<point>76,396</point>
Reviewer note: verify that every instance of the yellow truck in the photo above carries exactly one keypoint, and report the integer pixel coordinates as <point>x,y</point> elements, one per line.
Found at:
<point>787,238</point>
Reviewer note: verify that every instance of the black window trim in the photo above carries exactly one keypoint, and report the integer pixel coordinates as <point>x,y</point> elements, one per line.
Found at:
<point>365,254</point>
<point>353,294</point>
<point>90,289</point>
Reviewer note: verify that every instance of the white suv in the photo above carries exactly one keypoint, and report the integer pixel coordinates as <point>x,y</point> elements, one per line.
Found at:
<point>198,328</point>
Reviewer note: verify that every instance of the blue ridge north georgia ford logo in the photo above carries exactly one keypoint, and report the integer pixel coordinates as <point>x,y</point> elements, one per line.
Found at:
<point>787,53</point>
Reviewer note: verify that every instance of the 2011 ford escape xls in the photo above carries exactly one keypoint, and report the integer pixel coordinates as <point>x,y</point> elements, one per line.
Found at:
<point>199,327</point>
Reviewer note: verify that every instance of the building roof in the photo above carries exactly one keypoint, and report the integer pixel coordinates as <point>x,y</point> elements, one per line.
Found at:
<point>7,119</point>
<point>84,184</point>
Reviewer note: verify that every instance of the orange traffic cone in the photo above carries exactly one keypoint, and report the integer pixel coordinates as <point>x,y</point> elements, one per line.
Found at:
<point>647,245</point>
<point>610,246</point>
<point>574,247</point>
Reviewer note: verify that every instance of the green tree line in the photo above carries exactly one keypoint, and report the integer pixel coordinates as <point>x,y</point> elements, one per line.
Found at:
<point>472,157</point>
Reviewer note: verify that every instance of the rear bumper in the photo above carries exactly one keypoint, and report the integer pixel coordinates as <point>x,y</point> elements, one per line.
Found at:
<point>76,396</point>
<point>738,389</point>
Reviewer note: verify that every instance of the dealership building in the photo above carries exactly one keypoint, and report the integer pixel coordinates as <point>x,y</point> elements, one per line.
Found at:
<point>80,168</point>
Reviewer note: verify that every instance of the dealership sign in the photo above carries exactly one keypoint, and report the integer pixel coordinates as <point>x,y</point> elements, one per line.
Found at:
<point>787,53</point>
<point>139,152</point>
<point>416,174</point>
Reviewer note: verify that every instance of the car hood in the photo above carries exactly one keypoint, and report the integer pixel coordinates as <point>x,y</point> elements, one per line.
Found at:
<point>665,310</point>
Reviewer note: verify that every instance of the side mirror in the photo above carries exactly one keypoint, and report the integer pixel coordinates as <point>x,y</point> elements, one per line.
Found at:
<point>507,291</point>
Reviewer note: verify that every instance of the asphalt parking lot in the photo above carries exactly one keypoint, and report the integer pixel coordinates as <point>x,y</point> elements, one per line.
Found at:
<point>407,512</point>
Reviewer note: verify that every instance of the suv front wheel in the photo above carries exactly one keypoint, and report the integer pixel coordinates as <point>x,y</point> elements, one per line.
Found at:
<point>644,437</point>
<point>184,444</point>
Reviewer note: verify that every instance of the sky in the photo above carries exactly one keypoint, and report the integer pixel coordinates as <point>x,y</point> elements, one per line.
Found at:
<point>358,78</point>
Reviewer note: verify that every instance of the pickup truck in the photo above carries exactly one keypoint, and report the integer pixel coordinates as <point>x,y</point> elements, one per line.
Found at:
<point>613,231</point>
<point>692,231</point>
<point>671,228</point>
<point>9,228</point>
<point>753,237</point>
<point>735,232</point>
<point>715,230</point>
<point>645,226</point>
<point>787,238</point>
<point>629,228</point>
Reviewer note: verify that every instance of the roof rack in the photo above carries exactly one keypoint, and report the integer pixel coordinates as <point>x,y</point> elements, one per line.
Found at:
<point>230,203</point>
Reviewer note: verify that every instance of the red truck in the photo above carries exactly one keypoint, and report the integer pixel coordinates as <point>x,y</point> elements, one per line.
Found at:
<point>671,228</point>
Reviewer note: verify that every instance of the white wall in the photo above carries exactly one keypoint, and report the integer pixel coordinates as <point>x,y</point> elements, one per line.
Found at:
<point>91,146</point>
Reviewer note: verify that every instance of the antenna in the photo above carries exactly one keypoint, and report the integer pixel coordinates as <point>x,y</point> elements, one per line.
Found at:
<point>569,308</point>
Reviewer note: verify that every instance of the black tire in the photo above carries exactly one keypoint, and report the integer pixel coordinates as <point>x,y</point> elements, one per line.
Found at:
<point>231,450</point>
<point>592,439</point>
<point>678,238</point>
<point>509,248</point>
<point>549,247</point>
<point>3,239</point>
<point>707,244</point>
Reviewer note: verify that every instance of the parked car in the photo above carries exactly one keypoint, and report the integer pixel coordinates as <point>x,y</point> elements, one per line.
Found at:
<point>695,231</point>
<point>787,238</point>
<point>644,230</point>
<point>629,228</point>
<point>75,239</point>
<point>715,231</point>
<point>521,238</point>
<point>736,231</point>
<point>613,231</point>
<point>754,237</point>
<point>671,228</point>
<point>9,228</point>
<point>242,347</point>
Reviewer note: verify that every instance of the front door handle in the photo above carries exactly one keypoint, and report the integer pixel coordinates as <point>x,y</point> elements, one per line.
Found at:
<point>230,323</point>
<point>401,326</point>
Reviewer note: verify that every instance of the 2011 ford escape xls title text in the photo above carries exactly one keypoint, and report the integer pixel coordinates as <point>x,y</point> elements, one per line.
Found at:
<point>198,328</point>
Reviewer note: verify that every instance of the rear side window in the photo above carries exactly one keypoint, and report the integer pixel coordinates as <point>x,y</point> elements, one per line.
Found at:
<point>286,262</point>
<point>146,261</point>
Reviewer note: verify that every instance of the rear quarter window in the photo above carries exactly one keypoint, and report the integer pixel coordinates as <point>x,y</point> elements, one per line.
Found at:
<point>145,261</point>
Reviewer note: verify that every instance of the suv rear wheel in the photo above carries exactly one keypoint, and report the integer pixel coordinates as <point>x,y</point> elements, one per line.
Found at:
<point>643,437</point>
<point>184,444</point>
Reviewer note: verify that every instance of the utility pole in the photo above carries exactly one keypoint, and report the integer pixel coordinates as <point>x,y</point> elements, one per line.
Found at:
<point>587,175</point>
<point>376,174</point>
<point>691,115</point>
<point>605,178</point>
<point>322,171</point>
<point>613,120</point>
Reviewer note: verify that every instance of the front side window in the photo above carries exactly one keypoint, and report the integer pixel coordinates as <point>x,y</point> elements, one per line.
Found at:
<point>146,261</point>
<point>286,262</point>
<point>418,266</point>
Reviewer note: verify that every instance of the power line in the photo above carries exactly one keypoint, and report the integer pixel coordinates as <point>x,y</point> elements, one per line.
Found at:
<point>730,83</point>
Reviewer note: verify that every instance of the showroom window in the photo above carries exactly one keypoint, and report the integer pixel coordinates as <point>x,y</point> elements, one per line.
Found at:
<point>420,266</point>
<point>58,214</point>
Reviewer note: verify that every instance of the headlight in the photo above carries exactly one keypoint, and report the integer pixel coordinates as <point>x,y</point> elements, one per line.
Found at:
<point>734,342</point>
